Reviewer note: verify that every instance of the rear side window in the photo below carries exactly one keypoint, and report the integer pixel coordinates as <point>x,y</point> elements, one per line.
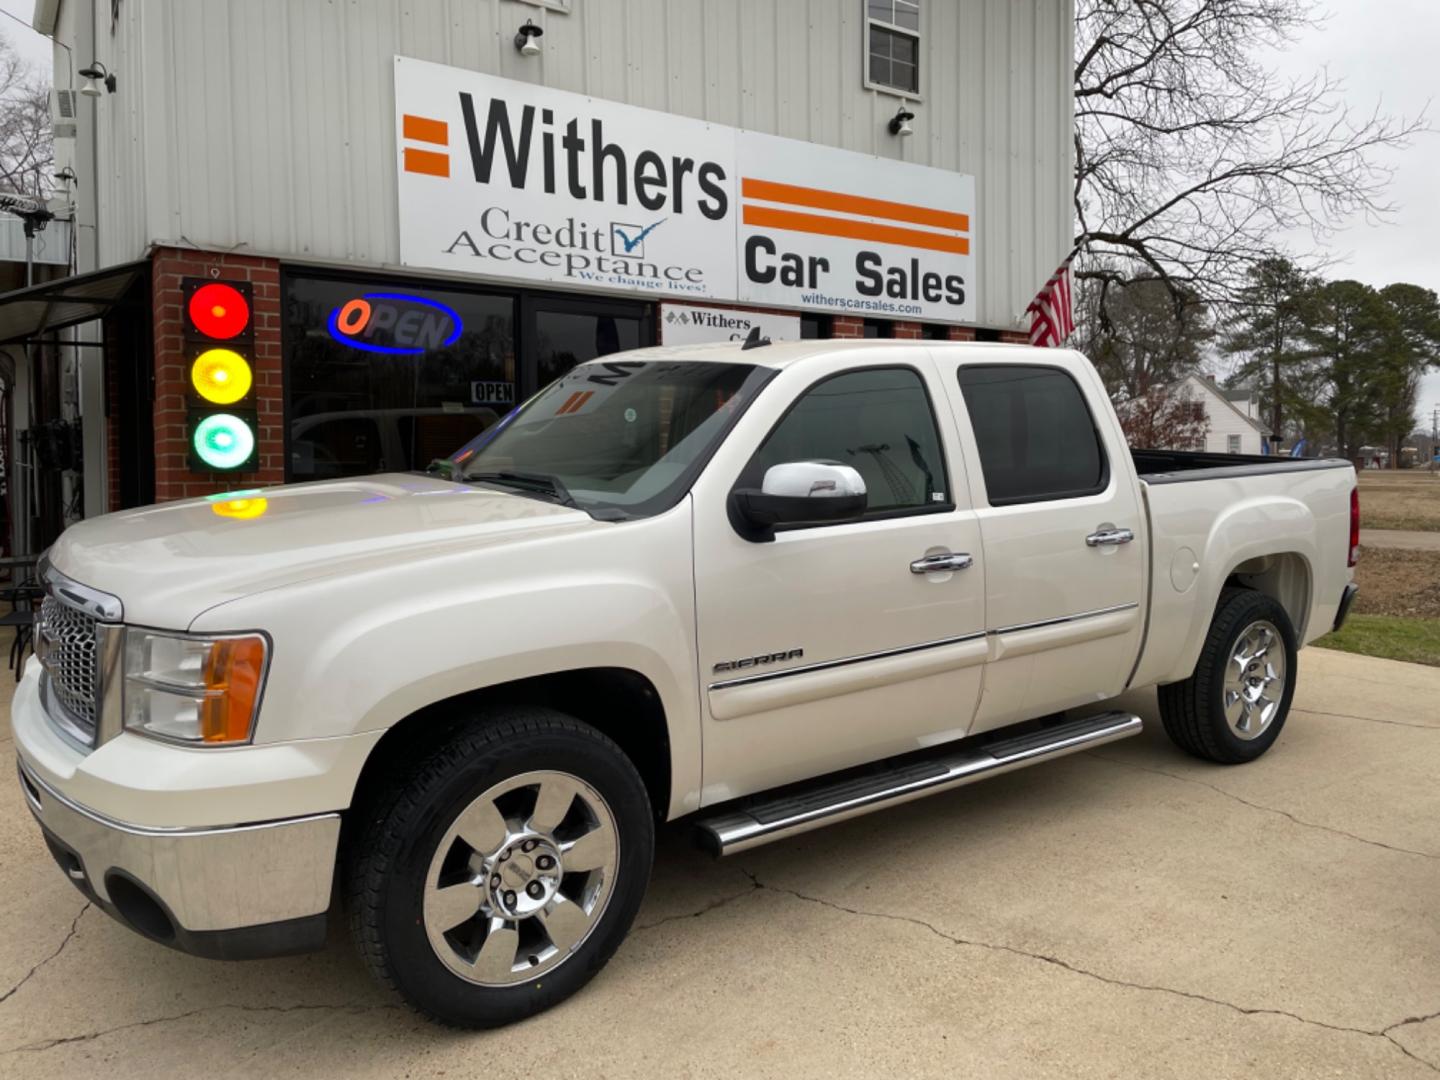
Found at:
<point>877,420</point>
<point>1036,436</point>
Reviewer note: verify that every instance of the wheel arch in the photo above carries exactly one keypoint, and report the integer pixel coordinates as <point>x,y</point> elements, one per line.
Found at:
<point>1285,576</point>
<point>621,703</point>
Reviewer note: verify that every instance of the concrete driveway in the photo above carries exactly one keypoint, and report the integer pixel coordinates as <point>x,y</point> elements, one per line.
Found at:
<point>1127,912</point>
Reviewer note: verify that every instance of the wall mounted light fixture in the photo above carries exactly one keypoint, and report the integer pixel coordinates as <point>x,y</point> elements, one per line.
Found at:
<point>899,123</point>
<point>93,76</point>
<point>525,43</point>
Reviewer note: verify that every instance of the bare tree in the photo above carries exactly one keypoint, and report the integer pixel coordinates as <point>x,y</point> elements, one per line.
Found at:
<point>26,149</point>
<point>1190,155</point>
<point>1164,417</point>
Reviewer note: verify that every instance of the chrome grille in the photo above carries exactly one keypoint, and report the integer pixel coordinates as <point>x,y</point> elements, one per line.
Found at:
<point>65,641</point>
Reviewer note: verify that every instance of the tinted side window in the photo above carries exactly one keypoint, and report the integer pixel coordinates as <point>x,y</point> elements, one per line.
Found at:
<point>878,421</point>
<point>1036,436</point>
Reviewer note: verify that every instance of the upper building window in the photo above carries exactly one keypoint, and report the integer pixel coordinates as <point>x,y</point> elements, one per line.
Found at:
<point>892,45</point>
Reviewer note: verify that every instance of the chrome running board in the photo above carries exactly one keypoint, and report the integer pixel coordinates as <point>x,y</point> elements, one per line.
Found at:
<point>760,820</point>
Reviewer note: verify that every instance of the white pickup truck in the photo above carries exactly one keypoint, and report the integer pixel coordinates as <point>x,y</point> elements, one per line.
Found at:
<point>763,588</point>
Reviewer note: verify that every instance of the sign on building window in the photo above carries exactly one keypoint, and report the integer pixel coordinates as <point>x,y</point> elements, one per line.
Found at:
<point>506,179</point>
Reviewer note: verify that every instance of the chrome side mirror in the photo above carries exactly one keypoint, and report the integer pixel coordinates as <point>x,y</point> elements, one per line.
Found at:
<point>798,493</point>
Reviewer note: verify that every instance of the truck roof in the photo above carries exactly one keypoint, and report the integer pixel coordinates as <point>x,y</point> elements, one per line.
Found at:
<point>783,354</point>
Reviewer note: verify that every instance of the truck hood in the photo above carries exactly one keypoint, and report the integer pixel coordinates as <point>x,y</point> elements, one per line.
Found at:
<point>170,562</point>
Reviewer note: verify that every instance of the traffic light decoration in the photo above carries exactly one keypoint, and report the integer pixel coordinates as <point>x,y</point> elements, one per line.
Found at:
<point>219,353</point>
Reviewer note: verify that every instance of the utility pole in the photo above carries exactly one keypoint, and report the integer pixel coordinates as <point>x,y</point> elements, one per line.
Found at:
<point>1434,439</point>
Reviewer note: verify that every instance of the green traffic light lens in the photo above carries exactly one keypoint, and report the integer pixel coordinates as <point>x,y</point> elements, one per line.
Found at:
<point>223,441</point>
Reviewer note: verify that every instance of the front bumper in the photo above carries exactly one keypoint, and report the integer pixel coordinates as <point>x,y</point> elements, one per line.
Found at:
<point>228,893</point>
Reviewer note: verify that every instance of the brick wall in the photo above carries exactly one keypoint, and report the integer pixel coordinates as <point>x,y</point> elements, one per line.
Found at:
<point>173,478</point>
<point>847,326</point>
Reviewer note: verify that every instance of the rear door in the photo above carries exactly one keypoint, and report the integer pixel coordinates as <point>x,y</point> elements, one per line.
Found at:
<point>823,647</point>
<point>1061,523</point>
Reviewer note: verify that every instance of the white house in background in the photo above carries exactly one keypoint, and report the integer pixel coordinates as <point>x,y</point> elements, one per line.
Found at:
<point>1233,415</point>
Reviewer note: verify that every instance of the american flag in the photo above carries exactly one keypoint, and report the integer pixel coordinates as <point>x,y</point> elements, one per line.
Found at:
<point>1052,319</point>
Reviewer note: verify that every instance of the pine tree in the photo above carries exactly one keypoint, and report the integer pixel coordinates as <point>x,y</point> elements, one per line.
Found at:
<point>1269,335</point>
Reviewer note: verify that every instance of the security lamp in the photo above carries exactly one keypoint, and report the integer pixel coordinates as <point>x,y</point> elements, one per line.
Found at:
<point>525,43</point>
<point>900,123</point>
<point>93,76</point>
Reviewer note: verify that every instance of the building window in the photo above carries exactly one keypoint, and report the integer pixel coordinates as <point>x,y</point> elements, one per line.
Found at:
<point>814,326</point>
<point>892,45</point>
<point>1232,444</point>
<point>385,376</point>
<point>878,328</point>
<point>934,331</point>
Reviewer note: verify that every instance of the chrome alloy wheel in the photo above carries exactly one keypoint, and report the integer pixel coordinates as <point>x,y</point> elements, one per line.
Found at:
<point>1254,680</point>
<point>521,878</point>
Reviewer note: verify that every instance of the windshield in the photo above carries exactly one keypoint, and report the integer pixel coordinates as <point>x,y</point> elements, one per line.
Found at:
<point>618,439</point>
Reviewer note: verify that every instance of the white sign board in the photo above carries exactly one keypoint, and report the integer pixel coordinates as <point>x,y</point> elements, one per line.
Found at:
<point>507,179</point>
<point>689,324</point>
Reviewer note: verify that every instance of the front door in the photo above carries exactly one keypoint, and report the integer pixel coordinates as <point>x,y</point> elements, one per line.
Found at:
<point>560,332</point>
<point>833,645</point>
<point>1061,523</point>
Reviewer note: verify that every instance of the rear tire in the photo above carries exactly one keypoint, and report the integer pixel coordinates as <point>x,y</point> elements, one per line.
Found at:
<point>500,875</point>
<point>1232,708</point>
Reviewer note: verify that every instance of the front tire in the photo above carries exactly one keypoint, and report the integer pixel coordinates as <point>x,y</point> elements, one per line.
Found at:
<point>498,877</point>
<point>1233,706</point>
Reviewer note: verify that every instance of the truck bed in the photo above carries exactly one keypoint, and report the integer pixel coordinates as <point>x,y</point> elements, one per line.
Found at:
<point>1182,466</point>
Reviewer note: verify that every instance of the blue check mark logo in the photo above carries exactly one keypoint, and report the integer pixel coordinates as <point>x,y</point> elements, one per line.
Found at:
<point>632,244</point>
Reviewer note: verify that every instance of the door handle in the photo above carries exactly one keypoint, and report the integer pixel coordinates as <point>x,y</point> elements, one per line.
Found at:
<point>932,564</point>
<point>1108,537</point>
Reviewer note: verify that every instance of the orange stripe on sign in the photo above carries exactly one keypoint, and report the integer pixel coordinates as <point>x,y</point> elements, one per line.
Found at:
<point>423,129</point>
<point>770,191</point>
<point>427,161</point>
<point>769,218</point>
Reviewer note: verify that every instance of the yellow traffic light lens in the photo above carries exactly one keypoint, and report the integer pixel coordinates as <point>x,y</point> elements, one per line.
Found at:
<point>221,376</point>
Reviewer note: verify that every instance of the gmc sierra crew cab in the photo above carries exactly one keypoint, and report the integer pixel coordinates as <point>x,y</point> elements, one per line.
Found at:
<point>762,587</point>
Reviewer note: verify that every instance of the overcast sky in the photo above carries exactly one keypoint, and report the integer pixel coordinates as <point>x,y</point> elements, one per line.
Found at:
<point>1386,53</point>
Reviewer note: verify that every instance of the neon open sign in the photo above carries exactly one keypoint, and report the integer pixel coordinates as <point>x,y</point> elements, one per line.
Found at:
<point>406,324</point>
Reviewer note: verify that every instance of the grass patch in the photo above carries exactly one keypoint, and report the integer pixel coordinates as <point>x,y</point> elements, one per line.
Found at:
<point>1393,637</point>
<point>1402,499</point>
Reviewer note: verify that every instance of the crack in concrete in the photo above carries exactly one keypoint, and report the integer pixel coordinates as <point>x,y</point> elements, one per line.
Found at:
<point>1413,1020</point>
<point>1260,806</point>
<point>89,1036</point>
<point>1153,988</point>
<point>74,925</point>
<point>699,911</point>
<point>1370,719</point>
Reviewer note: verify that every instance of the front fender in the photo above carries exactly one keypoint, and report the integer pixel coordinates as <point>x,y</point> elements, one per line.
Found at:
<point>360,652</point>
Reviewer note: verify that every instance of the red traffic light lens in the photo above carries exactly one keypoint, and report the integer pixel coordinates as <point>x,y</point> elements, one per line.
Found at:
<point>218,310</point>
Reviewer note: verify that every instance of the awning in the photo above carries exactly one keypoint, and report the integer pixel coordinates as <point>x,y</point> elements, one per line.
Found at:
<point>27,314</point>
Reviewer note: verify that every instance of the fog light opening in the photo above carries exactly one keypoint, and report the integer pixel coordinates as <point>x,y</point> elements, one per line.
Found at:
<point>138,908</point>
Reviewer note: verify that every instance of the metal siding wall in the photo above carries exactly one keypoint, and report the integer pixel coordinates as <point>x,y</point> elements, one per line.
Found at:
<point>269,124</point>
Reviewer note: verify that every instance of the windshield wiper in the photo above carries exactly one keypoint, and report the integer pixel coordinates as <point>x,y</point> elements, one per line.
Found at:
<point>537,483</point>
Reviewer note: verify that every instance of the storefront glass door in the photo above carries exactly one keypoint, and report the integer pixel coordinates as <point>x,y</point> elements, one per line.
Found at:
<point>562,332</point>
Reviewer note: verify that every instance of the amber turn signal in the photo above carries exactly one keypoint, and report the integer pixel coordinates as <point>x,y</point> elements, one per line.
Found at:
<point>233,673</point>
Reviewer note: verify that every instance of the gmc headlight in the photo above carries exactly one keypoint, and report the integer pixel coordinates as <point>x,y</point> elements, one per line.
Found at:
<point>193,688</point>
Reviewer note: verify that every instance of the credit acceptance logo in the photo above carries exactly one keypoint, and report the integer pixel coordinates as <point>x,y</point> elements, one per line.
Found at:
<point>394,324</point>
